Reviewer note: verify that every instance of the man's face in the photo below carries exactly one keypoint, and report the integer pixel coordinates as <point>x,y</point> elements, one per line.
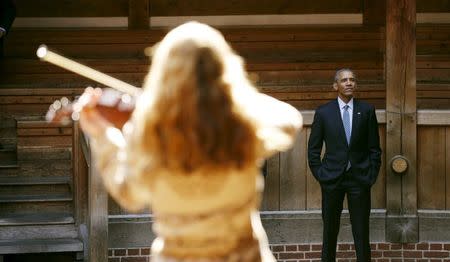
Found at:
<point>345,85</point>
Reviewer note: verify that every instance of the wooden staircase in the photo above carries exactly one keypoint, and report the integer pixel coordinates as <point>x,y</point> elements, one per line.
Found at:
<point>36,196</point>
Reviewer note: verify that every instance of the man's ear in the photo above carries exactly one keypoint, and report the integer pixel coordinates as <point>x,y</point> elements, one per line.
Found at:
<point>335,87</point>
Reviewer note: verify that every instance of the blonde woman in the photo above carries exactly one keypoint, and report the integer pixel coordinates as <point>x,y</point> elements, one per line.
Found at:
<point>193,148</point>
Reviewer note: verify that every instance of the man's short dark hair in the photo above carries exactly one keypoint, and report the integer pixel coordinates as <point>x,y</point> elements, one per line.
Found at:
<point>338,72</point>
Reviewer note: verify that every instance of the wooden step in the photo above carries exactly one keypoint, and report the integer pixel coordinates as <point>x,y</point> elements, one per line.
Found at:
<point>40,189</point>
<point>40,133</point>
<point>57,197</point>
<point>33,186</point>
<point>47,218</point>
<point>37,102</point>
<point>43,167</point>
<point>31,208</point>
<point>8,155</point>
<point>20,180</point>
<point>5,120</point>
<point>8,136</point>
<point>8,167</point>
<point>38,231</point>
<point>43,152</point>
<point>40,245</point>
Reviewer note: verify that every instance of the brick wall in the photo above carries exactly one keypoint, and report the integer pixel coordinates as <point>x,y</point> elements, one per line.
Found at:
<point>381,252</point>
<point>129,255</point>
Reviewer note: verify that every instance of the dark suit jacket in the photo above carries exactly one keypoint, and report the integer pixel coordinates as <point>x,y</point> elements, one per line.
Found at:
<point>364,152</point>
<point>7,14</point>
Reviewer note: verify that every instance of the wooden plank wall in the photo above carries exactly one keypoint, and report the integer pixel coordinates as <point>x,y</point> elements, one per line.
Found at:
<point>433,66</point>
<point>291,186</point>
<point>106,8</point>
<point>433,154</point>
<point>295,63</point>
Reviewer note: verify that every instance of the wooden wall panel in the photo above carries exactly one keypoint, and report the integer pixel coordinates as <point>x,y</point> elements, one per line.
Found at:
<point>298,189</point>
<point>379,189</point>
<point>313,193</point>
<point>107,8</point>
<point>271,196</point>
<point>71,8</point>
<point>251,7</point>
<point>431,184</point>
<point>433,6</point>
<point>293,175</point>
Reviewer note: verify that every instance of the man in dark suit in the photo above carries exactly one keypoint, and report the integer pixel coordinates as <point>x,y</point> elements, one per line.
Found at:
<point>349,166</point>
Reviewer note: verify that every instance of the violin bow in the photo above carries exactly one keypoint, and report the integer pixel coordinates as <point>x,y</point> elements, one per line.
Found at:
<point>47,55</point>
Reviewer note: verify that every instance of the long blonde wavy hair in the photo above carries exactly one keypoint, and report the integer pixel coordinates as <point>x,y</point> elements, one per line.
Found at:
<point>188,117</point>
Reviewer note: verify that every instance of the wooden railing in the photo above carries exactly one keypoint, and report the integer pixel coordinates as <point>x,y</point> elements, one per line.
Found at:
<point>91,203</point>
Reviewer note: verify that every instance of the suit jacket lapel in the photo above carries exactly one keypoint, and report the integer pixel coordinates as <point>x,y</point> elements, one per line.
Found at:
<point>340,124</point>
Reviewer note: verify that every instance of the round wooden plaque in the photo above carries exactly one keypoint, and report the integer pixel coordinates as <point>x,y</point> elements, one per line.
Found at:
<point>399,164</point>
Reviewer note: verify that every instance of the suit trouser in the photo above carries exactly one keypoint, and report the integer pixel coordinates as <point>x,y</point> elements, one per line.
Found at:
<point>358,197</point>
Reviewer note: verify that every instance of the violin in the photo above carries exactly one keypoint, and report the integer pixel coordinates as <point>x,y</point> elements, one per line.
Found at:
<point>115,104</point>
<point>112,105</point>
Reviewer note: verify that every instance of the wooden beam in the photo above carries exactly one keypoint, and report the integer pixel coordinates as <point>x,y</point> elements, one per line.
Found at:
<point>80,184</point>
<point>401,120</point>
<point>434,118</point>
<point>138,14</point>
<point>98,216</point>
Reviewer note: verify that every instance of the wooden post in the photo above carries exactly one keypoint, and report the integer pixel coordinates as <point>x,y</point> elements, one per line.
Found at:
<point>80,174</point>
<point>98,217</point>
<point>374,12</point>
<point>80,183</point>
<point>138,14</point>
<point>401,120</point>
